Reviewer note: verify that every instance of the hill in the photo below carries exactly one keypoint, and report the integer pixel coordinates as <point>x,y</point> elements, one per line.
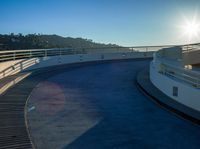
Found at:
<point>37,41</point>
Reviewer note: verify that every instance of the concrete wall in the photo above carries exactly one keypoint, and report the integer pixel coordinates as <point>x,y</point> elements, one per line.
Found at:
<point>192,57</point>
<point>15,66</point>
<point>173,53</point>
<point>187,95</point>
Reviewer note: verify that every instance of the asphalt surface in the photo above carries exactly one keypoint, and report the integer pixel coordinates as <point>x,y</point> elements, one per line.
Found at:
<point>100,107</point>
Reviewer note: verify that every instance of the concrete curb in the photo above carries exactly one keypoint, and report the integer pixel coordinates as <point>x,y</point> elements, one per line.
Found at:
<point>163,100</point>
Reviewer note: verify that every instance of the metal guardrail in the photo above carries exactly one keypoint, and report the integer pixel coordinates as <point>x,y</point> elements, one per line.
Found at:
<point>27,58</point>
<point>30,57</point>
<point>10,55</point>
<point>186,75</point>
<point>189,48</point>
<point>34,53</point>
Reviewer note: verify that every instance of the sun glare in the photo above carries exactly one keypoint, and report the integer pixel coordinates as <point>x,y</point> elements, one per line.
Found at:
<point>191,29</point>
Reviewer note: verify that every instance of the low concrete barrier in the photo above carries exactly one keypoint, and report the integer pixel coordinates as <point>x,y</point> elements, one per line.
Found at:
<point>15,66</point>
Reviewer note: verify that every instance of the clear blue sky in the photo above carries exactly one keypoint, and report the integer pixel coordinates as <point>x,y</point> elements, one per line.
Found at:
<point>124,22</point>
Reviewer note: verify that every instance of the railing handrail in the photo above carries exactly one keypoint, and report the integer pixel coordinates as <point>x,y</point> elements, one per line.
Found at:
<point>27,50</point>
<point>8,55</point>
<point>184,75</point>
<point>178,71</point>
<point>131,47</point>
<point>33,53</point>
<point>184,70</point>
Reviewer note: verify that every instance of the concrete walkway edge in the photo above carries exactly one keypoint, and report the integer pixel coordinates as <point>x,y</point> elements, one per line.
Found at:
<point>163,100</point>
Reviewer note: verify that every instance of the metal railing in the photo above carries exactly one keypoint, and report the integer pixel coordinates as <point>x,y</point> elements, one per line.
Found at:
<point>183,74</point>
<point>34,53</point>
<point>10,55</point>
<point>27,58</point>
<point>190,47</point>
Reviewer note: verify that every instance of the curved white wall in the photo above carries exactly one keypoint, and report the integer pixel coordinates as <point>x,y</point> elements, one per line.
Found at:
<point>15,66</point>
<point>187,94</point>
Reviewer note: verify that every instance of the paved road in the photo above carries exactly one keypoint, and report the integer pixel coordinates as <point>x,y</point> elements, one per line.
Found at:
<point>100,107</point>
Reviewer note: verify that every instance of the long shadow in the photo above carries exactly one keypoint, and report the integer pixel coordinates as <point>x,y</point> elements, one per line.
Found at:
<point>18,67</point>
<point>125,117</point>
<point>105,110</point>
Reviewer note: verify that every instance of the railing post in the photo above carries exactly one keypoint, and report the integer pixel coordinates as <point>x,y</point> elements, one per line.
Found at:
<point>60,52</point>
<point>45,53</point>
<point>30,54</point>
<point>14,54</point>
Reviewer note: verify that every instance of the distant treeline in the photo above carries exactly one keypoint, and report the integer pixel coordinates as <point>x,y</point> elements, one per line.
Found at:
<point>38,41</point>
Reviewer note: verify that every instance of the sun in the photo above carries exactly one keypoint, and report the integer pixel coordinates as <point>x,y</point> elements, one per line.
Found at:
<point>191,29</point>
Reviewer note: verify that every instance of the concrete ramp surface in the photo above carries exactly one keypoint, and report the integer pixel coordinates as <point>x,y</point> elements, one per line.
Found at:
<point>100,107</point>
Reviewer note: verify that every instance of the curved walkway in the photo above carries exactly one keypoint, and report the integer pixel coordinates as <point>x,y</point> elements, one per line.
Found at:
<point>13,124</point>
<point>100,107</point>
<point>13,132</point>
